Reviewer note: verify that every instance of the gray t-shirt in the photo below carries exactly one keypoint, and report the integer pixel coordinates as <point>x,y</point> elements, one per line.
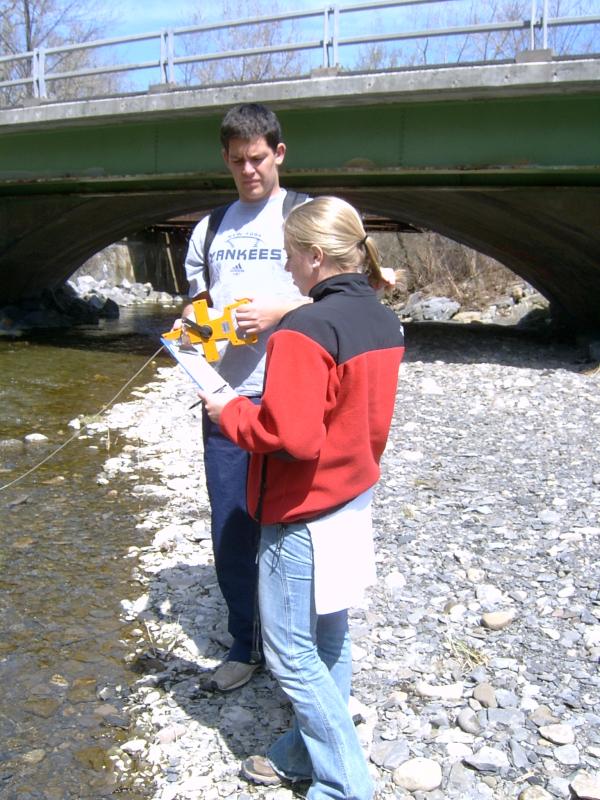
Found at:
<point>246,259</point>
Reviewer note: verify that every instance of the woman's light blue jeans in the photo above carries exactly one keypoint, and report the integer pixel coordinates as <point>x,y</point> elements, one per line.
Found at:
<point>309,655</point>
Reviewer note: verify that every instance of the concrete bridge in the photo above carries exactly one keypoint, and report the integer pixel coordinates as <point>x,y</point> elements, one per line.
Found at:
<point>504,158</point>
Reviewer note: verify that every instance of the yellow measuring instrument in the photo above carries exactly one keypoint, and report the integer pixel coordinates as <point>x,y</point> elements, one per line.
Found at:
<point>207,331</point>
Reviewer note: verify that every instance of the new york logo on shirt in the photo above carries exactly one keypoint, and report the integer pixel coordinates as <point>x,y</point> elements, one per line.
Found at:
<point>241,248</point>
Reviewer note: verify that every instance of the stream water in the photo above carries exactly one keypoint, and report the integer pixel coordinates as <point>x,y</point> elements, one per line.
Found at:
<point>63,564</point>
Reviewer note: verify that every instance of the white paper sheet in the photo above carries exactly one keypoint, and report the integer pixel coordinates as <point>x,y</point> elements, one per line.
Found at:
<point>344,555</point>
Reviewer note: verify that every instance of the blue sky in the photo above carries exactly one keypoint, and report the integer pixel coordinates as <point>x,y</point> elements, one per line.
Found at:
<point>138,17</point>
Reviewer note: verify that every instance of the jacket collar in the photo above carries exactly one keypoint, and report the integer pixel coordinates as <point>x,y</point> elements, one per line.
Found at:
<point>354,283</point>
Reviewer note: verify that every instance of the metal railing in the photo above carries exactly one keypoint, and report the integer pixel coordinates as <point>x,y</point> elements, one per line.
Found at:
<point>45,74</point>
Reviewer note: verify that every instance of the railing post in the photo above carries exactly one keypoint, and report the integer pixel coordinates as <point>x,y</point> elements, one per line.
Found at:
<point>38,72</point>
<point>329,43</point>
<point>325,53</point>
<point>535,52</point>
<point>167,48</point>
<point>336,35</point>
<point>35,89</point>
<point>532,24</point>
<point>545,25</point>
<point>170,56</point>
<point>163,57</point>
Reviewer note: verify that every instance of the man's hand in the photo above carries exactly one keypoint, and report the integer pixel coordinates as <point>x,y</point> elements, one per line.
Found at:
<point>259,314</point>
<point>216,402</point>
<point>388,280</point>
<point>186,311</point>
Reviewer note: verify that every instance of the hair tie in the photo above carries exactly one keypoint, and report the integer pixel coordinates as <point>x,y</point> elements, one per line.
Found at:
<point>364,241</point>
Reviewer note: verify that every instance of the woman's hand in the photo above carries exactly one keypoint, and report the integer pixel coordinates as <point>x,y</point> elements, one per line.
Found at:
<point>215,403</point>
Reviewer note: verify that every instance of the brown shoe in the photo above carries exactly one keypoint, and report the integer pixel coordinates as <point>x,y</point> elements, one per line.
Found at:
<point>231,675</point>
<point>258,769</point>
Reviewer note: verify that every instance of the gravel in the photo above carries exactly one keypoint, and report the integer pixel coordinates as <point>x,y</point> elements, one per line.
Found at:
<point>476,656</point>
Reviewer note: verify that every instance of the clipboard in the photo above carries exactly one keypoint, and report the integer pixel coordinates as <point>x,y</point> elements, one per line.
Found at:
<point>195,364</point>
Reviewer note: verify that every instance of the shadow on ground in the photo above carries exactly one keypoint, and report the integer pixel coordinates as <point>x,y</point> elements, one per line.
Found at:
<point>475,343</point>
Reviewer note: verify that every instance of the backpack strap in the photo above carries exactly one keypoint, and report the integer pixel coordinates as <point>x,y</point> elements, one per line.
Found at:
<point>214,221</point>
<point>291,200</point>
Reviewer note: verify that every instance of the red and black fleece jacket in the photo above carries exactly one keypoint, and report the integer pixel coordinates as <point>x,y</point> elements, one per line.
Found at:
<point>330,388</point>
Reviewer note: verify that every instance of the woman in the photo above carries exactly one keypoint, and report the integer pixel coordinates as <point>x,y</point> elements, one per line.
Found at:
<point>316,440</point>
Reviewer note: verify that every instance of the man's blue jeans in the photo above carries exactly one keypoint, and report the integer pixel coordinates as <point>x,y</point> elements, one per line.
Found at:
<point>309,654</point>
<point>235,537</point>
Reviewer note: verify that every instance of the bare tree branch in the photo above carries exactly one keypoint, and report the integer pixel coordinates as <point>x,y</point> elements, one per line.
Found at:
<point>29,24</point>
<point>242,69</point>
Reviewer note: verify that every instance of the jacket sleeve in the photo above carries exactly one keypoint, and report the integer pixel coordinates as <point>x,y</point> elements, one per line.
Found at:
<point>299,390</point>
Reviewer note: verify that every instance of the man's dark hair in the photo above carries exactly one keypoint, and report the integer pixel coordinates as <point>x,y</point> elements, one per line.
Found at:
<point>249,121</point>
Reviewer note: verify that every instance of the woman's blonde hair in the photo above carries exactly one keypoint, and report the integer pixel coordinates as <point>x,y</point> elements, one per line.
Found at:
<point>336,227</point>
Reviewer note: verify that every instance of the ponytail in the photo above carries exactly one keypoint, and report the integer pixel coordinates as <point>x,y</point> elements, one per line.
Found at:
<point>336,227</point>
<point>372,263</point>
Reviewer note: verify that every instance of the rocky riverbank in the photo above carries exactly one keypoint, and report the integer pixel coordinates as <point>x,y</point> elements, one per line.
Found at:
<point>87,298</point>
<point>477,656</point>
<point>83,300</point>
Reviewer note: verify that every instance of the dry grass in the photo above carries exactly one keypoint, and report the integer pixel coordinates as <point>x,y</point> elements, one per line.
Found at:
<point>439,267</point>
<point>467,656</point>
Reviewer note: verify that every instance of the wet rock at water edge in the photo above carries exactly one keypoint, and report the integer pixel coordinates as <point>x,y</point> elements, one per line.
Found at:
<point>45,707</point>
<point>11,444</point>
<point>35,438</point>
<point>34,756</point>
<point>19,500</point>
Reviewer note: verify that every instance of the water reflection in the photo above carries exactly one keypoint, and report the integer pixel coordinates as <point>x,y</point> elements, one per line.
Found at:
<point>63,565</point>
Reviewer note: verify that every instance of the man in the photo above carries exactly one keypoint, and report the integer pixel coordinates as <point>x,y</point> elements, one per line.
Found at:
<point>246,260</point>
